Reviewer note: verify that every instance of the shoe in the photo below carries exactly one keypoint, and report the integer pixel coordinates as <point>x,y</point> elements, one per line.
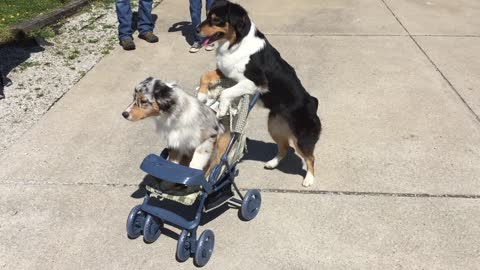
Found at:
<point>149,37</point>
<point>127,44</point>
<point>196,46</point>
<point>210,47</point>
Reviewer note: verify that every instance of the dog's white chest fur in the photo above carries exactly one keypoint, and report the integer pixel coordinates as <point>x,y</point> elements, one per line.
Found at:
<point>232,61</point>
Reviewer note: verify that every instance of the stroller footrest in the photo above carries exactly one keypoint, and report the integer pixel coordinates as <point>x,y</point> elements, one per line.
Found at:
<point>172,172</point>
<point>170,217</point>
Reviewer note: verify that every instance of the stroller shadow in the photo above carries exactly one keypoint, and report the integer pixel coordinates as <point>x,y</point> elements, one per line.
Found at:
<point>186,29</point>
<point>185,211</point>
<point>13,55</point>
<point>262,151</point>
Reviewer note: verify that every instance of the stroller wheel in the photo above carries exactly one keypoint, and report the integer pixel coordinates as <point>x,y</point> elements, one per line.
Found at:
<point>250,205</point>
<point>183,246</point>
<point>204,249</point>
<point>135,222</point>
<point>152,229</point>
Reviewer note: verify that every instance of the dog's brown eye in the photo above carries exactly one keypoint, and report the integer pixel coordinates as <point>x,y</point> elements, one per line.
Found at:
<point>216,20</point>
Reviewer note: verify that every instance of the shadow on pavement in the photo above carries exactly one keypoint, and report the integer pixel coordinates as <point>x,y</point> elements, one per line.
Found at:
<point>262,151</point>
<point>135,20</point>
<point>185,211</point>
<point>185,28</point>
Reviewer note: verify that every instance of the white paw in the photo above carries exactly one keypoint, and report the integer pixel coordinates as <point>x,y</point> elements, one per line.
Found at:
<point>309,179</point>
<point>223,107</point>
<point>272,163</point>
<point>202,97</point>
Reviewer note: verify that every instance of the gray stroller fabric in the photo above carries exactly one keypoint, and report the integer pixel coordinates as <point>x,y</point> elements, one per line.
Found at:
<point>236,119</point>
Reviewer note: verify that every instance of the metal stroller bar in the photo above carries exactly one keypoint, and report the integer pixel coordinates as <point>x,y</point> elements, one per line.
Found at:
<point>213,177</point>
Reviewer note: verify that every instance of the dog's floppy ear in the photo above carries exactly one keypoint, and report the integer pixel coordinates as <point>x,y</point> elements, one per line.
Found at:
<point>238,18</point>
<point>163,95</point>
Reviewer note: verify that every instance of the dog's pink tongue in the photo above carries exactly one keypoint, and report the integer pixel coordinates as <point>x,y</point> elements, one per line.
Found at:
<point>205,41</point>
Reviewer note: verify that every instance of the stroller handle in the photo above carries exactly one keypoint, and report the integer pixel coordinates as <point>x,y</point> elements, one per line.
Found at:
<point>253,101</point>
<point>214,175</point>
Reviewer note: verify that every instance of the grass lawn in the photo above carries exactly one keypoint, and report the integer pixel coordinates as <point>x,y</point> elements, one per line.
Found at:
<point>13,12</point>
<point>16,11</point>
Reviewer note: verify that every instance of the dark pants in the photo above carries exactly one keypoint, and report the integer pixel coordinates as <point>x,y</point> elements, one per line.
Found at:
<point>196,13</point>
<point>124,15</point>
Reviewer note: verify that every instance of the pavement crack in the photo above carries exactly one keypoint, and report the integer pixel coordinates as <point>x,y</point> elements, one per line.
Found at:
<point>442,35</point>
<point>477,117</point>
<point>280,34</point>
<point>264,190</point>
<point>334,35</point>
<point>368,194</point>
<point>49,183</point>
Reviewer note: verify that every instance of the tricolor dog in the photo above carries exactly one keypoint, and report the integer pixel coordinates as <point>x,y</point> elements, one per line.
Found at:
<point>245,56</point>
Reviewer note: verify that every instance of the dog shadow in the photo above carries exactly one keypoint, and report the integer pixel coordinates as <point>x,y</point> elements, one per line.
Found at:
<point>187,30</point>
<point>12,55</point>
<point>186,211</point>
<point>263,151</point>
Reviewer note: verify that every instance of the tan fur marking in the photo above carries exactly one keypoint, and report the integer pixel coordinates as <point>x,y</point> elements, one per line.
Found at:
<point>186,160</point>
<point>280,132</point>
<point>230,34</point>
<point>174,156</point>
<point>140,112</point>
<point>220,148</point>
<point>309,160</point>
<point>208,30</point>
<point>208,79</point>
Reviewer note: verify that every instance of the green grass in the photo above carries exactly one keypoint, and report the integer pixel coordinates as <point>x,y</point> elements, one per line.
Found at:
<point>26,65</point>
<point>46,32</point>
<point>73,54</point>
<point>16,11</point>
<point>13,12</point>
<point>92,40</point>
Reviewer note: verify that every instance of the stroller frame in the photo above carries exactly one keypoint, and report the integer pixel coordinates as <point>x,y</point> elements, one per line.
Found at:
<point>148,219</point>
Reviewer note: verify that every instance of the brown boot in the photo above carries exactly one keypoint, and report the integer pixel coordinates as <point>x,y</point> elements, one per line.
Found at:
<point>149,37</point>
<point>127,44</point>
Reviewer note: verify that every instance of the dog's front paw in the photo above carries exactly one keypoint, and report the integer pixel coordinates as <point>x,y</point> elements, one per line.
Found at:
<point>223,107</point>
<point>202,97</point>
<point>309,179</point>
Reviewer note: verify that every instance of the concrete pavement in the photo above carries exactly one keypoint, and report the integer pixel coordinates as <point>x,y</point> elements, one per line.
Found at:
<point>398,163</point>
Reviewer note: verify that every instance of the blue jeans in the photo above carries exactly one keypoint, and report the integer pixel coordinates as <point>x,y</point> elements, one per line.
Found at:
<point>124,15</point>
<point>196,14</point>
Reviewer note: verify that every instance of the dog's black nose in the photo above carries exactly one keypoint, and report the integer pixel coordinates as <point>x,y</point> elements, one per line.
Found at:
<point>125,114</point>
<point>197,29</point>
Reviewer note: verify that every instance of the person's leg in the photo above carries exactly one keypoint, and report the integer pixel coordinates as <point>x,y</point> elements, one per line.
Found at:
<point>145,19</point>
<point>195,15</point>
<point>209,4</point>
<point>124,15</point>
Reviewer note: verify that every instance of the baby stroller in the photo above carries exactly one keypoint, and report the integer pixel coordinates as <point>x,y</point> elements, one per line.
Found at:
<point>191,187</point>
